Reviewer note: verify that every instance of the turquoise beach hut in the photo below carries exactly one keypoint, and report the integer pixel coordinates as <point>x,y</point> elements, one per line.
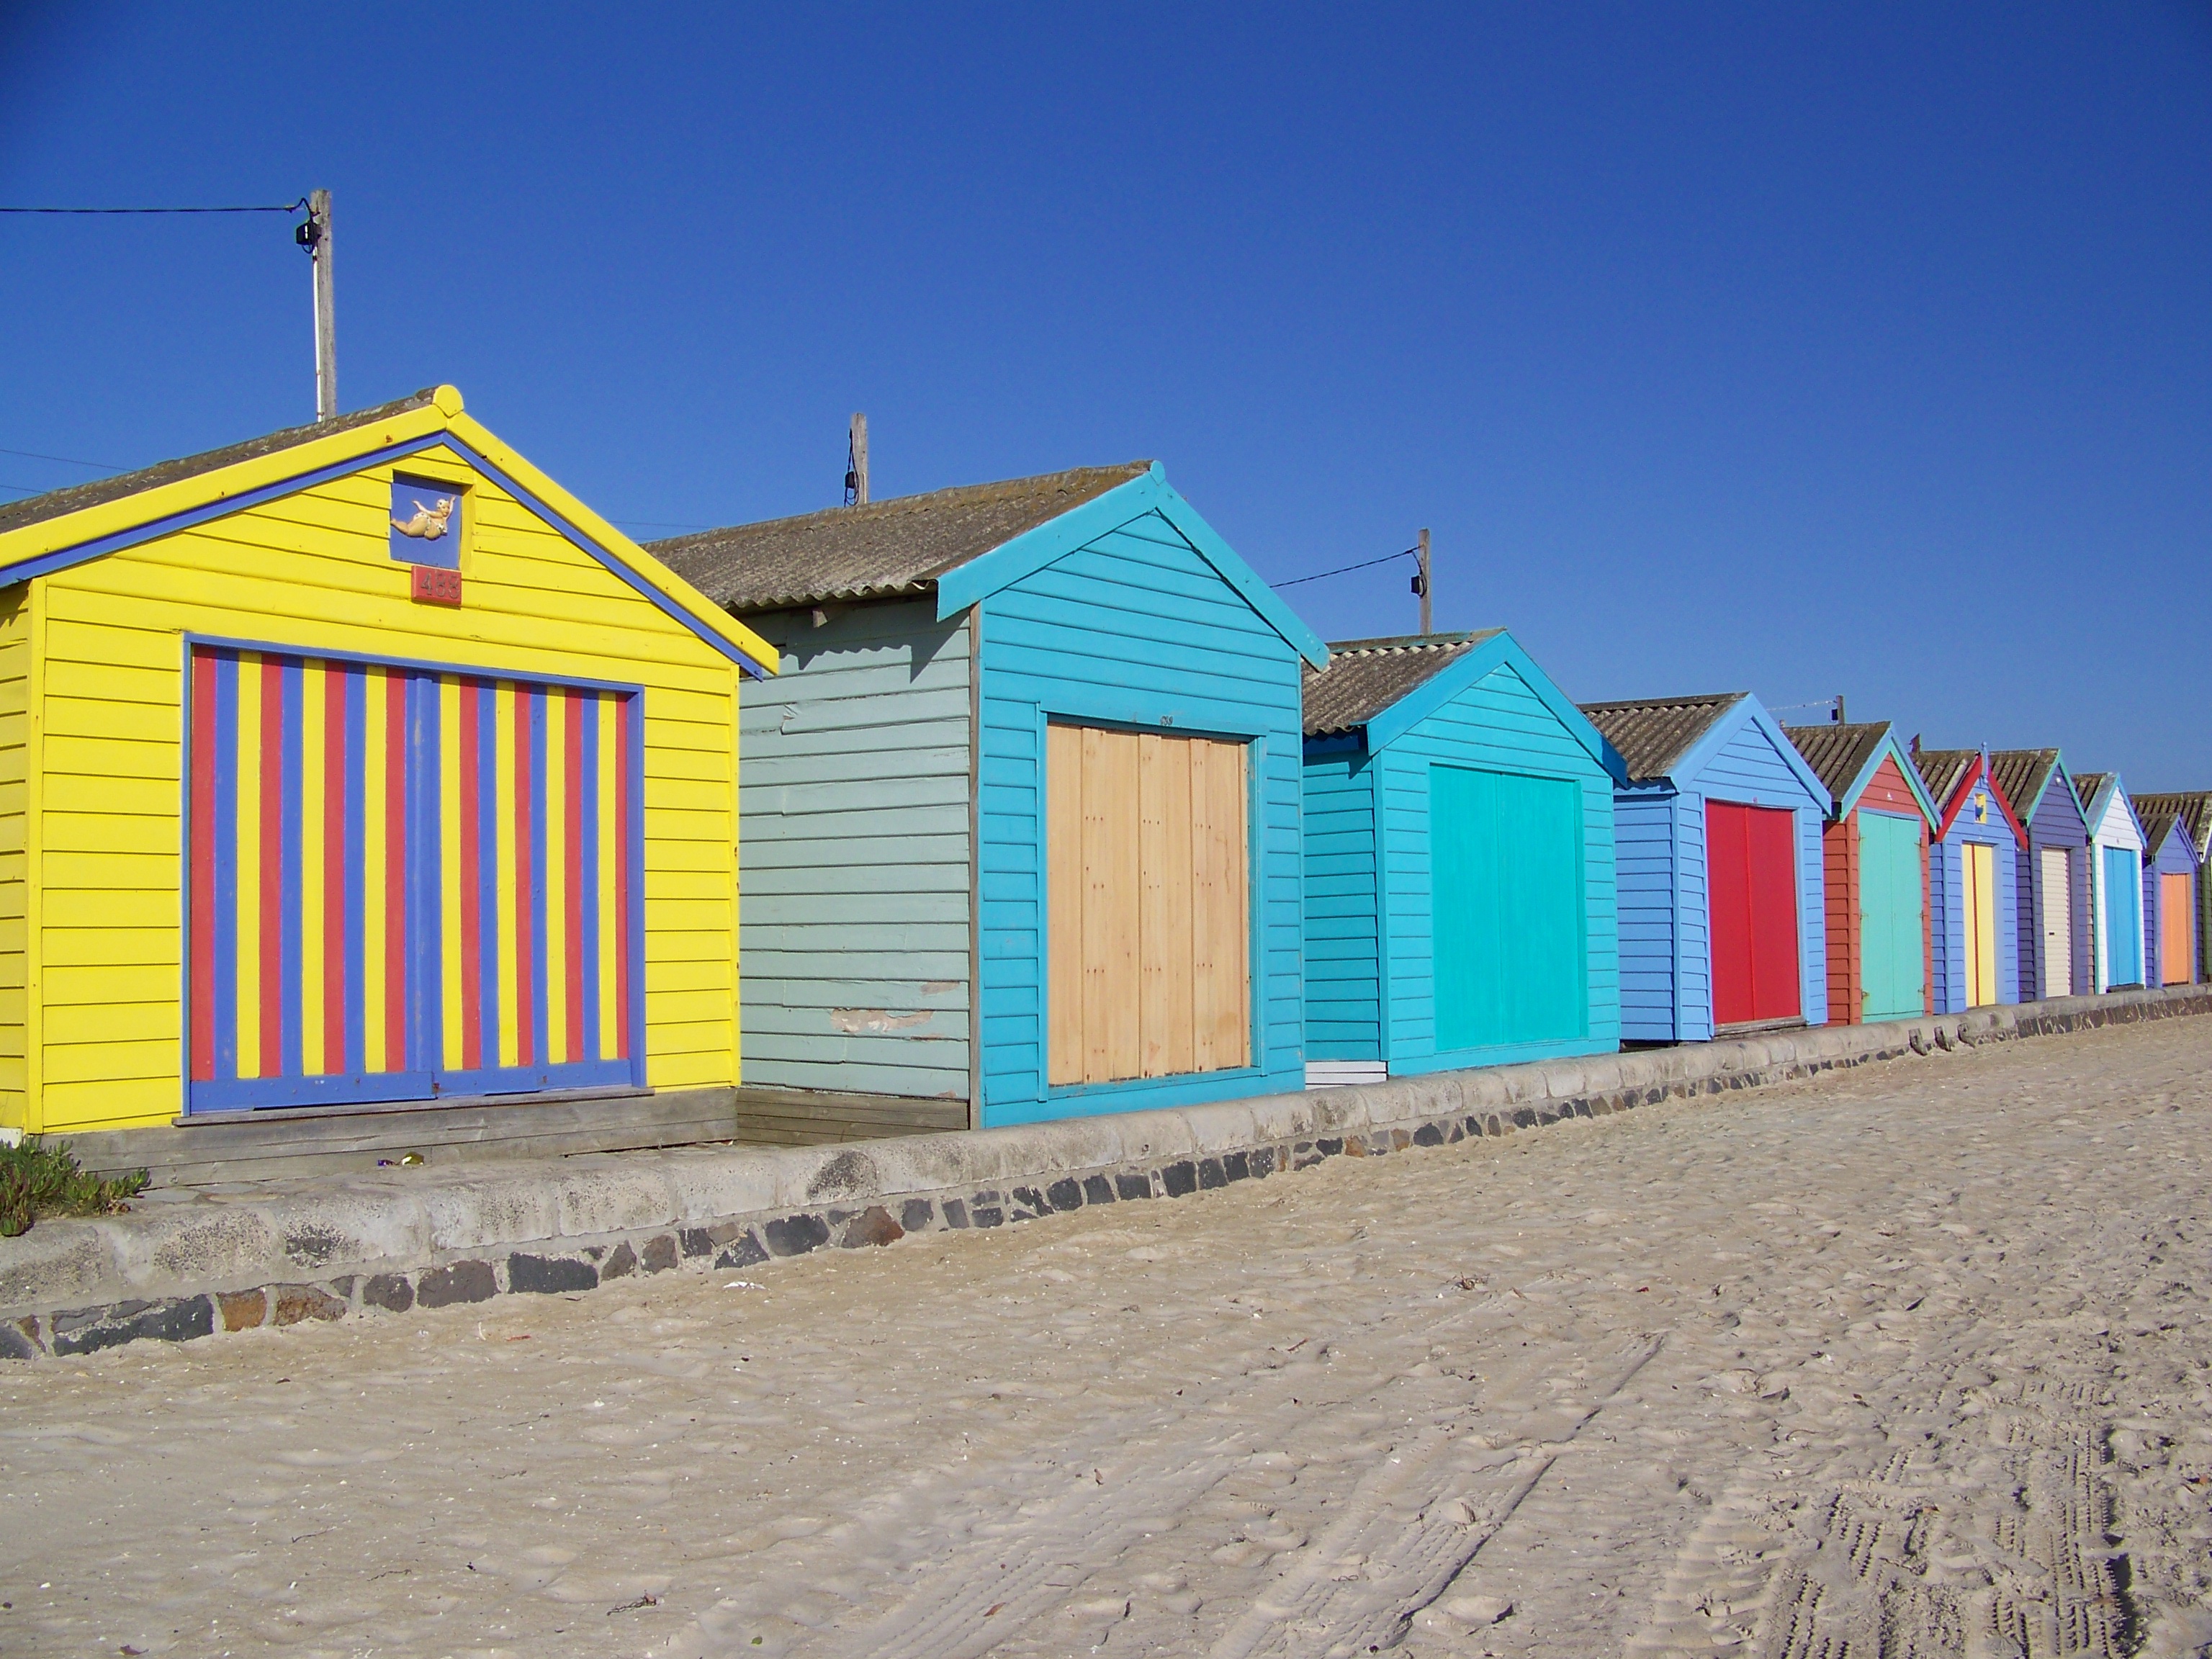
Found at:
<point>1459,862</point>
<point>1019,821</point>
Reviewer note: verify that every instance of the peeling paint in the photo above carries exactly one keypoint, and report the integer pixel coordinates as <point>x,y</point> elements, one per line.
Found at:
<point>875,1021</point>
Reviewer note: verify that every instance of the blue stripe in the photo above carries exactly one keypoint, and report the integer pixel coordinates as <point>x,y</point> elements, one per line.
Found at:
<point>588,856</point>
<point>290,884</point>
<point>487,872</point>
<point>356,853</point>
<point>426,954</point>
<point>536,897</point>
<point>634,716</point>
<point>226,864</point>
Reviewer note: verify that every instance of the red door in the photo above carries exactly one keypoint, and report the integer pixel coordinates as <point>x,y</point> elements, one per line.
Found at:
<point>1751,873</point>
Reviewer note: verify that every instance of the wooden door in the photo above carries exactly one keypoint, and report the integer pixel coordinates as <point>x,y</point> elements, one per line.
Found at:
<point>1892,931</point>
<point>1979,912</point>
<point>1507,913</point>
<point>1751,874</point>
<point>1148,890</point>
<point>2122,918</point>
<point>403,883</point>
<point>2054,893</point>
<point>2177,920</point>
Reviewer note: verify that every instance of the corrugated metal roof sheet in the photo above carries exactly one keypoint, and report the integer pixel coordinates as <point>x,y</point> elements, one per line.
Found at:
<point>1942,770</point>
<point>1654,733</point>
<point>2192,806</point>
<point>898,546</point>
<point>1836,753</point>
<point>58,503</point>
<point>2087,784</point>
<point>1365,676</point>
<point>2022,774</point>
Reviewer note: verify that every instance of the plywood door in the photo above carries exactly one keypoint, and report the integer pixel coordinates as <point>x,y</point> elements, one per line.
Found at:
<point>2122,918</point>
<point>1979,907</point>
<point>403,883</point>
<point>2054,893</point>
<point>1750,872</point>
<point>1508,919</point>
<point>1148,890</point>
<point>1891,928</point>
<point>2177,942</point>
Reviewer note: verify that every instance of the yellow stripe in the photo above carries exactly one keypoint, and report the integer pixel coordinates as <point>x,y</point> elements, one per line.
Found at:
<point>604,711</point>
<point>449,858</point>
<point>312,741</point>
<point>249,864</point>
<point>555,784</point>
<point>373,883</point>
<point>510,1029</point>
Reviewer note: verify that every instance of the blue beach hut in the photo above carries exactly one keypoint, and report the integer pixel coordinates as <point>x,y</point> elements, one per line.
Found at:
<point>1718,838</point>
<point>1973,881</point>
<point>1019,824</point>
<point>2115,896</point>
<point>1459,862</point>
<point>2055,959</point>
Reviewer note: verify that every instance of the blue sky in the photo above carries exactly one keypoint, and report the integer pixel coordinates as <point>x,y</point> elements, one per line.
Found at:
<point>1806,349</point>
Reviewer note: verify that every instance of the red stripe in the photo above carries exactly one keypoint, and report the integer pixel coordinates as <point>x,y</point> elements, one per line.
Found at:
<point>395,843</point>
<point>526,882</point>
<point>572,705</point>
<point>618,763</point>
<point>471,870</point>
<point>203,856</point>
<point>334,867</point>
<point>273,965</point>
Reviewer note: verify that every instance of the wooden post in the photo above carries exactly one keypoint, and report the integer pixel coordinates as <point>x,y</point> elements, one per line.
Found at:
<point>1422,585</point>
<point>856,464</point>
<point>322,250</point>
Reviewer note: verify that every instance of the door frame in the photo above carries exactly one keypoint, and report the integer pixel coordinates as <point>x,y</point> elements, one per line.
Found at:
<point>412,1085</point>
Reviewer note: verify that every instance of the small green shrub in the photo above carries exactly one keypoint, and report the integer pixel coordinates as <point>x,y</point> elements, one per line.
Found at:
<point>38,1180</point>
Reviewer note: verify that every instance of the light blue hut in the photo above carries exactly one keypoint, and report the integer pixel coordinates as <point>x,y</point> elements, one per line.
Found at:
<point>1722,890</point>
<point>1020,820</point>
<point>1459,862</point>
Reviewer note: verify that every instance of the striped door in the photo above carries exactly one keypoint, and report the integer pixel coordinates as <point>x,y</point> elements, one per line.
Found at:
<point>1978,901</point>
<point>406,883</point>
<point>2055,895</point>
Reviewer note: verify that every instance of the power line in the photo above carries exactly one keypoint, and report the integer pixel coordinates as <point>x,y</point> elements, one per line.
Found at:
<point>289,207</point>
<point>66,460</point>
<point>1410,553</point>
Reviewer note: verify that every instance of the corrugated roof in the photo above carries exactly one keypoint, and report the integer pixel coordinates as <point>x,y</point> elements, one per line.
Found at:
<point>898,546</point>
<point>2192,806</point>
<point>1654,733</point>
<point>58,503</point>
<point>2021,774</point>
<point>1837,753</point>
<point>1942,770</point>
<point>1365,676</point>
<point>2087,784</point>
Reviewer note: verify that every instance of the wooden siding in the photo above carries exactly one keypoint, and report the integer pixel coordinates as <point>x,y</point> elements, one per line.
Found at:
<point>2057,823</point>
<point>857,854</point>
<point>1500,723</point>
<point>1147,860</point>
<point>1134,629</point>
<point>1651,960</point>
<point>1840,870</point>
<point>1946,913</point>
<point>14,888</point>
<point>310,572</point>
<point>2115,827</point>
<point>1343,943</point>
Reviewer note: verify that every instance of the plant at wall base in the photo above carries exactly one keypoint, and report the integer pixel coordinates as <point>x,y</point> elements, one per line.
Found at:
<point>37,1180</point>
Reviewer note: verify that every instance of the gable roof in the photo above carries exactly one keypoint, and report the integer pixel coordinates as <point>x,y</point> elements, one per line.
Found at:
<point>893,547</point>
<point>2193,807</point>
<point>1652,734</point>
<point>72,526</point>
<point>1362,677</point>
<point>963,545</point>
<point>1846,757</point>
<point>1944,770</point>
<point>2090,785</point>
<point>2158,823</point>
<point>2023,775</point>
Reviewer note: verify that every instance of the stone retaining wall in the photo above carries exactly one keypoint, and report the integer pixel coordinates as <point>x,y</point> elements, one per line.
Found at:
<point>189,1264</point>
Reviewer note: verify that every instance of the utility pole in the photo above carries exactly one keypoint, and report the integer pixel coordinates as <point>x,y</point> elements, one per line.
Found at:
<point>315,236</point>
<point>1840,719</point>
<point>1421,582</point>
<point>856,463</point>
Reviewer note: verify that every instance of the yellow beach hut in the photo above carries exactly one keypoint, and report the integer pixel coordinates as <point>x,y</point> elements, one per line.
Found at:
<point>356,765</point>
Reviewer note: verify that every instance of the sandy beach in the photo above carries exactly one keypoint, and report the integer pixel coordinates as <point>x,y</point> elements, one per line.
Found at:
<point>1912,1360</point>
